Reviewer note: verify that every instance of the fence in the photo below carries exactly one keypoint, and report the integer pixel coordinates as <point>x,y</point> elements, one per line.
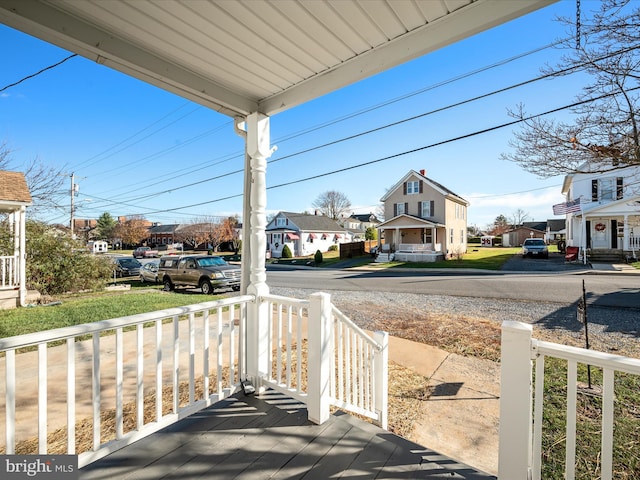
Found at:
<point>521,409</point>
<point>8,271</point>
<point>118,380</point>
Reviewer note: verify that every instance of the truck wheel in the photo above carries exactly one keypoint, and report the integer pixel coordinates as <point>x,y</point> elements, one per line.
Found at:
<point>168,286</point>
<point>206,287</point>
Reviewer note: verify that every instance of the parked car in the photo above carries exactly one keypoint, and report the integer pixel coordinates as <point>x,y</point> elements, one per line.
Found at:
<point>535,247</point>
<point>206,272</point>
<point>127,267</point>
<point>145,252</point>
<point>149,272</point>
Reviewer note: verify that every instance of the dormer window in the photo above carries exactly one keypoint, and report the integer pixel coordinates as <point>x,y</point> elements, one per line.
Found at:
<point>281,222</point>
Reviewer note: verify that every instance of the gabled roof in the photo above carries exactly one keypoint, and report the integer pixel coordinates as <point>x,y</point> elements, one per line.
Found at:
<point>365,217</point>
<point>542,226</point>
<point>308,223</point>
<point>557,224</point>
<point>14,189</point>
<point>169,228</point>
<point>437,186</point>
<point>256,56</point>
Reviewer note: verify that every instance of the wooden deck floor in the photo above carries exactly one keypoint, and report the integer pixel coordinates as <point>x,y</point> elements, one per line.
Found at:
<point>269,436</point>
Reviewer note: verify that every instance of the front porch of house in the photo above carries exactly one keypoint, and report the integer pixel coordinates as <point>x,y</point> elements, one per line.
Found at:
<point>411,239</point>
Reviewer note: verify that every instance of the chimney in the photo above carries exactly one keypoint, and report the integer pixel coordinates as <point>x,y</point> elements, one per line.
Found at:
<point>423,172</point>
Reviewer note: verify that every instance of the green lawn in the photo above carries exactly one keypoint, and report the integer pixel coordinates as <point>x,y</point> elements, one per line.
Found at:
<point>485,258</point>
<point>79,309</point>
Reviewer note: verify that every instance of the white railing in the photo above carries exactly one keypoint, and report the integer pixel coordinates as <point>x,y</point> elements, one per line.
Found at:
<point>338,364</point>
<point>521,410</point>
<point>634,243</point>
<point>118,380</point>
<point>8,271</point>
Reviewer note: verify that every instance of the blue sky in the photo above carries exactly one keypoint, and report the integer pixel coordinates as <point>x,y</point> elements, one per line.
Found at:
<point>137,150</point>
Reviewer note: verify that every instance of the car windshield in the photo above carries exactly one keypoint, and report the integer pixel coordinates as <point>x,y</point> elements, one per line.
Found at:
<point>211,262</point>
<point>129,262</point>
<point>536,241</point>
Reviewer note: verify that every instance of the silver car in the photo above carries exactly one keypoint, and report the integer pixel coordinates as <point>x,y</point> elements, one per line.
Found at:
<point>149,272</point>
<point>535,247</point>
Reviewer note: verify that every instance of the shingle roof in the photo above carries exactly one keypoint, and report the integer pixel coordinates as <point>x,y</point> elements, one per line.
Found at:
<point>315,223</point>
<point>13,187</point>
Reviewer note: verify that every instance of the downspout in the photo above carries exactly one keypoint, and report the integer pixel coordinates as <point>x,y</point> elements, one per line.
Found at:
<point>22,221</point>
<point>238,127</point>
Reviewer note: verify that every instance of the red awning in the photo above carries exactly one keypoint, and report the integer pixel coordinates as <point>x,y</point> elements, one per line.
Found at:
<point>292,236</point>
<point>338,236</point>
<point>312,235</point>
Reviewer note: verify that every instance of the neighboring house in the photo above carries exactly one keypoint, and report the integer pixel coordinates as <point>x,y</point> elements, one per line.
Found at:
<point>603,211</point>
<point>551,231</point>
<point>303,233</point>
<point>357,224</point>
<point>556,230</point>
<point>424,216</point>
<point>163,234</point>
<point>14,200</point>
<point>517,236</point>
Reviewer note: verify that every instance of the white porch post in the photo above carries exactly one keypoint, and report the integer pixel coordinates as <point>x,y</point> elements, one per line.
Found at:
<point>515,444</point>
<point>258,151</point>
<point>22,257</point>
<point>625,238</point>
<point>381,367</point>
<point>319,363</point>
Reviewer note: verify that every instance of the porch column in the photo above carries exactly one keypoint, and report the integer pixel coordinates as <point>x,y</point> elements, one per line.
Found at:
<point>625,238</point>
<point>22,259</point>
<point>257,151</point>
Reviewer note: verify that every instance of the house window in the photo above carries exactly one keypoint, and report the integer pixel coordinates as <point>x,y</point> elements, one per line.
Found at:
<point>400,208</point>
<point>413,187</point>
<point>462,236</point>
<point>607,189</point>
<point>281,222</point>
<point>428,238</point>
<point>451,236</point>
<point>426,209</point>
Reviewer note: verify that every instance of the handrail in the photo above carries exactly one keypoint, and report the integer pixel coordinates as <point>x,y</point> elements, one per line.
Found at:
<point>194,353</point>
<point>346,320</point>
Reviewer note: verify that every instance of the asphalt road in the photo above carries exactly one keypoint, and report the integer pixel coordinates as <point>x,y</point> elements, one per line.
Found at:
<point>561,285</point>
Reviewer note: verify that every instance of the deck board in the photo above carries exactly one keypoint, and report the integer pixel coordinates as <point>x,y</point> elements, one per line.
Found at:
<point>268,436</point>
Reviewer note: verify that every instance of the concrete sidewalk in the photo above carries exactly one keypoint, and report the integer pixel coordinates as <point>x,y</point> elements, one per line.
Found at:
<point>461,417</point>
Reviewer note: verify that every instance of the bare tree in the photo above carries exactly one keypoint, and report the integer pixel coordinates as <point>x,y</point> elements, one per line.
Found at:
<point>333,204</point>
<point>45,183</point>
<point>519,217</point>
<point>604,131</point>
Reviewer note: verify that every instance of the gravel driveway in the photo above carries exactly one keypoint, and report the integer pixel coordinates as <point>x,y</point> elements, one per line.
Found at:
<point>615,330</point>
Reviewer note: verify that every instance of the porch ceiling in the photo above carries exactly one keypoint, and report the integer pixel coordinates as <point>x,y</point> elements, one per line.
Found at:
<point>239,57</point>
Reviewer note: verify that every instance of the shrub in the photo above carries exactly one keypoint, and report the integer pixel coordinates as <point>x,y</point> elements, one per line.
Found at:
<point>333,248</point>
<point>286,252</point>
<point>318,257</point>
<point>58,264</point>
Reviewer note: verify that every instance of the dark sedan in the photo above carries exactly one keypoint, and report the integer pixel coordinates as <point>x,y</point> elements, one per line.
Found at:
<point>127,267</point>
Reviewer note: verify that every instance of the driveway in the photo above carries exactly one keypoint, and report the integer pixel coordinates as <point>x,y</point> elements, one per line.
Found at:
<point>555,263</point>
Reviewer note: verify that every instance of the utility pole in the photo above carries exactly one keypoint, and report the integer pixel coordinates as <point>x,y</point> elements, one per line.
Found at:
<point>74,191</point>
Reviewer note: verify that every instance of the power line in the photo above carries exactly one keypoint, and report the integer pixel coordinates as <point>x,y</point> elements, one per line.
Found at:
<point>407,152</point>
<point>364,111</point>
<point>38,72</point>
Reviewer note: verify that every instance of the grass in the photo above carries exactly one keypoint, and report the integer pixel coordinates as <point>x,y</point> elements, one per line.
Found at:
<point>79,309</point>
<point>484,258</point>
<point>626,437</point>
